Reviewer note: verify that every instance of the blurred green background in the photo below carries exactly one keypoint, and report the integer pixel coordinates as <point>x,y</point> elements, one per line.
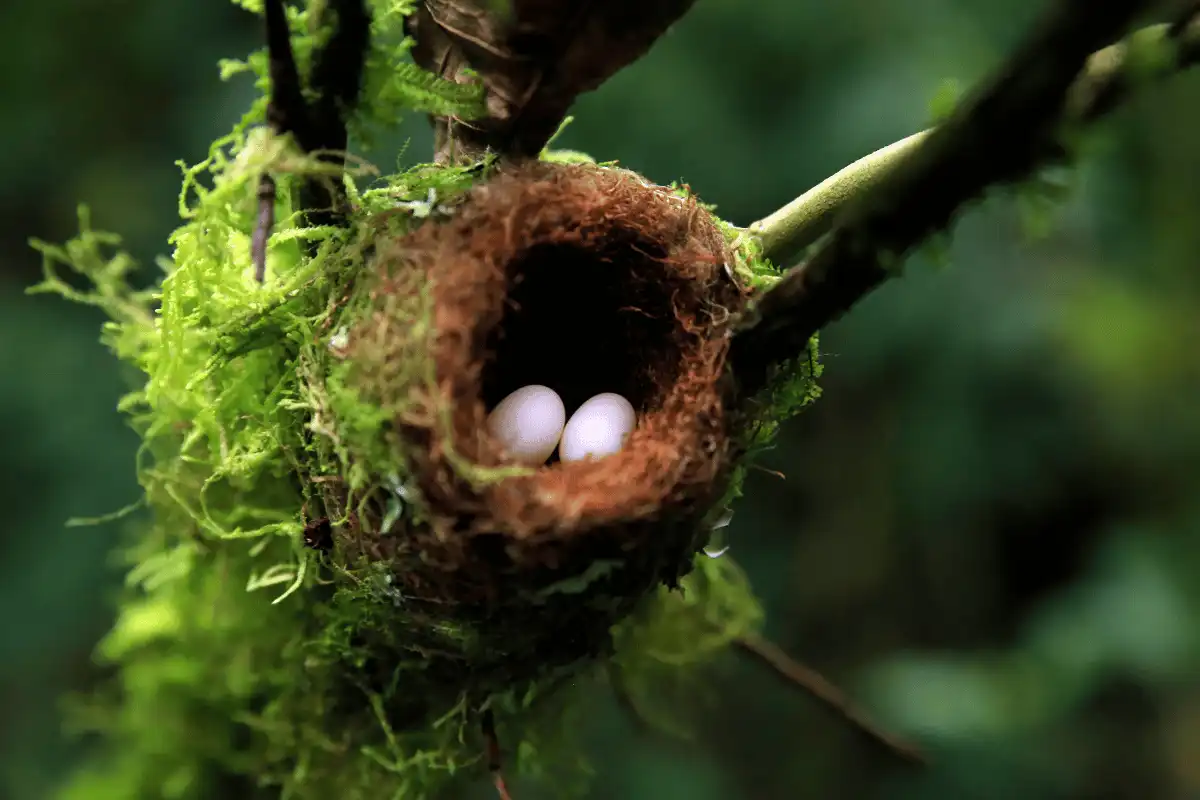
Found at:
<point>989,529</point>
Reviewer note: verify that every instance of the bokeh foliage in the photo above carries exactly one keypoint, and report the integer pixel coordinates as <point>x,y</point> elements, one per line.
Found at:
<point>989,526</point>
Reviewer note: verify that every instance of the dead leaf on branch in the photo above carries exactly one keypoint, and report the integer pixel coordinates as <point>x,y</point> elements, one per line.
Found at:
<point>534,58</point>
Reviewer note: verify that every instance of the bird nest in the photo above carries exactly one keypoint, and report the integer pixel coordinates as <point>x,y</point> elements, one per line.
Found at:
<point>582,278</point>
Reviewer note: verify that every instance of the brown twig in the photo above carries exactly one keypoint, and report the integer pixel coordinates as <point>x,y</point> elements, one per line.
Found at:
<point>813,683</point>
<point>263,225</point>
<point>286,113</point>
<point>999,136</point>
<point>317,128</point>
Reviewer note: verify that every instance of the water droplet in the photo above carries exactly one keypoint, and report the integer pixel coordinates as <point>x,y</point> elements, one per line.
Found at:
<point>716,552</point>
<point>723,520</point>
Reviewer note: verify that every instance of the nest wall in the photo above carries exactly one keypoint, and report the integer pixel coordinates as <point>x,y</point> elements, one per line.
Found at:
<point>586,279</point>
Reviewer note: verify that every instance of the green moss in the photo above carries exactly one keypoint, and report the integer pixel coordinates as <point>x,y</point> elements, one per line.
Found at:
<point>241,660</point>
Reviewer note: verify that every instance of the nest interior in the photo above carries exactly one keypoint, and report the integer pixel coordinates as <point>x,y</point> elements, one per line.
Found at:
<point>587,280</point>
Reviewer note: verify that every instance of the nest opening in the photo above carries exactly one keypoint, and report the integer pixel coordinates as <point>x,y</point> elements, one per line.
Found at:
<point>585,321</point>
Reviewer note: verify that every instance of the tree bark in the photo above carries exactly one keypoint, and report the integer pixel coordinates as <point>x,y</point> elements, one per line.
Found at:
<point>534,57</point>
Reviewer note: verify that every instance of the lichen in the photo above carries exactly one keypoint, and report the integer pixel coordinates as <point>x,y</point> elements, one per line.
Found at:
<point>245,663</point>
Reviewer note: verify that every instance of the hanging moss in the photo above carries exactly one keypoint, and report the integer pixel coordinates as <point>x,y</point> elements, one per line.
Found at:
<point>351,387</point>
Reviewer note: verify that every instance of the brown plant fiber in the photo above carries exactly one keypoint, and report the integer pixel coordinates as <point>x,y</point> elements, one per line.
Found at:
<point>587,280</point>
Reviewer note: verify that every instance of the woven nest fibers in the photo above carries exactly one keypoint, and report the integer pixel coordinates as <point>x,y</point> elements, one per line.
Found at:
<point>587,280</point>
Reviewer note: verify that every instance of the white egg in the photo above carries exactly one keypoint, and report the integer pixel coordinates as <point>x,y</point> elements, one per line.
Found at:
<point>528,423</point>
<point>598,429</point>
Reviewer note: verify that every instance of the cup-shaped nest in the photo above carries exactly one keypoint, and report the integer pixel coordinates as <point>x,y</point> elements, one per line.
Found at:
<point>585,279</point>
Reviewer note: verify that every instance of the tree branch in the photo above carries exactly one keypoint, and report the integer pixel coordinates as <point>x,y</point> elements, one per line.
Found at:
<point>533,61</point>
<point>813,683</point>
<point>888,203</point>
<point>786,233</point>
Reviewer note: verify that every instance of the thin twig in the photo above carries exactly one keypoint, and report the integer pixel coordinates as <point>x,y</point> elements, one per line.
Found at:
<point>263,226</point>
<point>1000,136</point>
<point>813,683</point>
<point>286,113</point>
<point>320,128</point>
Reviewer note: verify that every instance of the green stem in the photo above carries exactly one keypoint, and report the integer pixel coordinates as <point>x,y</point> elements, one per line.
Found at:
<point>785,234</point>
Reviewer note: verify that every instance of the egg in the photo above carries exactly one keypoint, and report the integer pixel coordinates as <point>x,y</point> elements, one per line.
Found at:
<point>598,428</point>
<point>528,423</point>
